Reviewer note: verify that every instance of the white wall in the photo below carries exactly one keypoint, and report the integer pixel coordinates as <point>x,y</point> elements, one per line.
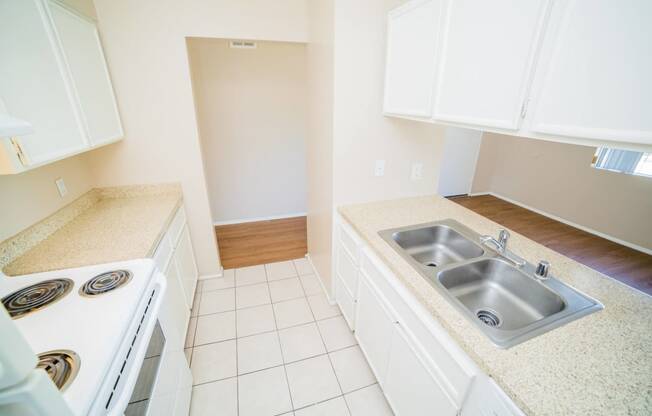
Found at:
<point>32,196</point>
<point>361,134</point>
<point>319,146</point>
<point>349,37</point>
<point>557,178</point>
<point>146,50</point>
<point>251,108</point>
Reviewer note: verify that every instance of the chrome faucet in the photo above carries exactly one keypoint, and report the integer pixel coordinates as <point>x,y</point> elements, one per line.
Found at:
<point>500,243</point>
<point>501,247</point>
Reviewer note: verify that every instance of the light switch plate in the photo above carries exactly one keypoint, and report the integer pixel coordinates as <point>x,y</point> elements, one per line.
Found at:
<point>417,171</point>
<point>379,169</point>
<point>61,186</point>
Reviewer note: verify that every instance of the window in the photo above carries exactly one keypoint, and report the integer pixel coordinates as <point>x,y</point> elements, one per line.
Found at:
<point>624,161</point>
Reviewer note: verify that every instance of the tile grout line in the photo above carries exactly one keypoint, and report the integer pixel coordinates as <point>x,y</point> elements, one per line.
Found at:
<point>237,370</point>
<point>339,385</point>
<point>278,337</point>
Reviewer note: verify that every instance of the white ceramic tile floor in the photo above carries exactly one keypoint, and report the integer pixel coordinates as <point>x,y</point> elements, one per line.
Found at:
<point>250,275</point>
<point>336,333</point>
<point>301,342</point>
<point>252,295</point>
<point>215,328</point>
<point>217,301</point>
<point>311,285</point>
<point>286,289</point>
<point>280,270</point>
<point>293,357</point>
<point>303,266</point>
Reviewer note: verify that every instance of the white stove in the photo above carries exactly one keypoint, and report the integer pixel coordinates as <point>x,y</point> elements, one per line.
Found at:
<point>99,325</point>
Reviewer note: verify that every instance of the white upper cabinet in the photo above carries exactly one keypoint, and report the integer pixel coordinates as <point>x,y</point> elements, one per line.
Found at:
<point>35,85</point>
<point>487,60</point>
<point>83,52</point>
<point>565,70</point>
<point>595,74</point>
<point>412,39</point>
<point>53,76</point>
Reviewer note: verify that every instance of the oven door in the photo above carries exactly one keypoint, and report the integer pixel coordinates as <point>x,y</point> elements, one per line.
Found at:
<point>164,384</point>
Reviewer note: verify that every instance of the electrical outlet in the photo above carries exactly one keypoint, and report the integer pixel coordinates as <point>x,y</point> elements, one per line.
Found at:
<point>417,171</point>
<point>61,186</point>
<point>379,170</point>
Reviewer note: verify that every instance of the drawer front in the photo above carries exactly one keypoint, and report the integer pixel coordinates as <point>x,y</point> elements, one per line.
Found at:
<point>176,226</point>
<point>350,241</point>
<point>346,302</point>
<point>454,376</point>
<point>347,271</point>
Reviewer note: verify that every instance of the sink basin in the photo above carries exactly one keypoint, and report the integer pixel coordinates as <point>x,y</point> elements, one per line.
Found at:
<point>500,295</point>
<point>496,291</point>
<point>436,245</point>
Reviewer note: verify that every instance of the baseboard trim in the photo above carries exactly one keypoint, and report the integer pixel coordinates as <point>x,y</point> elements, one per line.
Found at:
<point>271,217</point>
<point>567,222</point>
<point>321,282</point>
<point>212,276</point>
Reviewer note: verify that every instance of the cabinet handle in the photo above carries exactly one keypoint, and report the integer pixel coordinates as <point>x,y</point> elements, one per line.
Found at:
<point>19,151</point>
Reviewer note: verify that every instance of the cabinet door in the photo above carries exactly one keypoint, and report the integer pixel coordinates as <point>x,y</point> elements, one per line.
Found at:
<point>487,399</point>
<point>373,329</point>
<point>412,38</point>
<point>410,388</point>
<point>34,83</point>
<point>186,267</point>
<point>83,53</point>
<point>174,311</point>
<point>595,71</point>
<point>487,60</point>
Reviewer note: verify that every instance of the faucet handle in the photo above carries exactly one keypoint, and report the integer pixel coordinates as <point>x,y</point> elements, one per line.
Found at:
<point>542,269</point>
<point>503,236</point>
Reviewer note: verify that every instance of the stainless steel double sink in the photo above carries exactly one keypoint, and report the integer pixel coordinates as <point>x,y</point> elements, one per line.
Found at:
<point>493,288</point>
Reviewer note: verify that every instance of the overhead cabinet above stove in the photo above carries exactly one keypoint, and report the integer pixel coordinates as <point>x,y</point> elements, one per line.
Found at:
<point>54,77</point>
<point>566,70</point>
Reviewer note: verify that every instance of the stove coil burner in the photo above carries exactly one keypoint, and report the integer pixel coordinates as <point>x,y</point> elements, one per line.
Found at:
<point>105,282</point>
<point>61,365</point>
<point>37,296</point>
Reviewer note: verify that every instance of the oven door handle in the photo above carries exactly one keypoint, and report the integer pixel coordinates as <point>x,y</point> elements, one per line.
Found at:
<point>122,401</point>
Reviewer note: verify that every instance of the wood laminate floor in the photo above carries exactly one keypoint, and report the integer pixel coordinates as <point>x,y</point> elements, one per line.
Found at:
<point>631,267</point>
<point>261,242</point>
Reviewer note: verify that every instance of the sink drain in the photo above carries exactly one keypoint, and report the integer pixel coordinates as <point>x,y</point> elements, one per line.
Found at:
<point>489,318</point>
<point>431,264</point>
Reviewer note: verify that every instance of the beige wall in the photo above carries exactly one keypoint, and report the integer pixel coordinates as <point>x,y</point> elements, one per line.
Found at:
<point>146,50</point>
<point>350,37</point>
<point>361,133</point>
<point>251,109</point>
<point>557,178</point>
<point>31,196</point>
<point>319,146</point>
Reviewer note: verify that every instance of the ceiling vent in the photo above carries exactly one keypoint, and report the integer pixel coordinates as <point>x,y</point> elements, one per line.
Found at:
<point>243,44</point>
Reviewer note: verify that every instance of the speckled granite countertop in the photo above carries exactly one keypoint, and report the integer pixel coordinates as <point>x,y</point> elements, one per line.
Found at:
<point>104,225</point>
<point>598,365</point>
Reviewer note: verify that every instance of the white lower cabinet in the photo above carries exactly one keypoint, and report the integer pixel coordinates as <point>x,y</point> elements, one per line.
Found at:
<point>374,329</point>
<point>410,387</point>
<point>175,307</point>
<point>420,368</point>
<point>487,399</point>
<point>186,267</point>
<point>174,256</point>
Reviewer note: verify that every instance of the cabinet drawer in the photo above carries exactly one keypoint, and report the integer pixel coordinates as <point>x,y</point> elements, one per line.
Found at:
<point>346,302</point>
<point>176,226</point>
<point>347,270</point>
<point>350,241</point>
<point>454,368</point>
